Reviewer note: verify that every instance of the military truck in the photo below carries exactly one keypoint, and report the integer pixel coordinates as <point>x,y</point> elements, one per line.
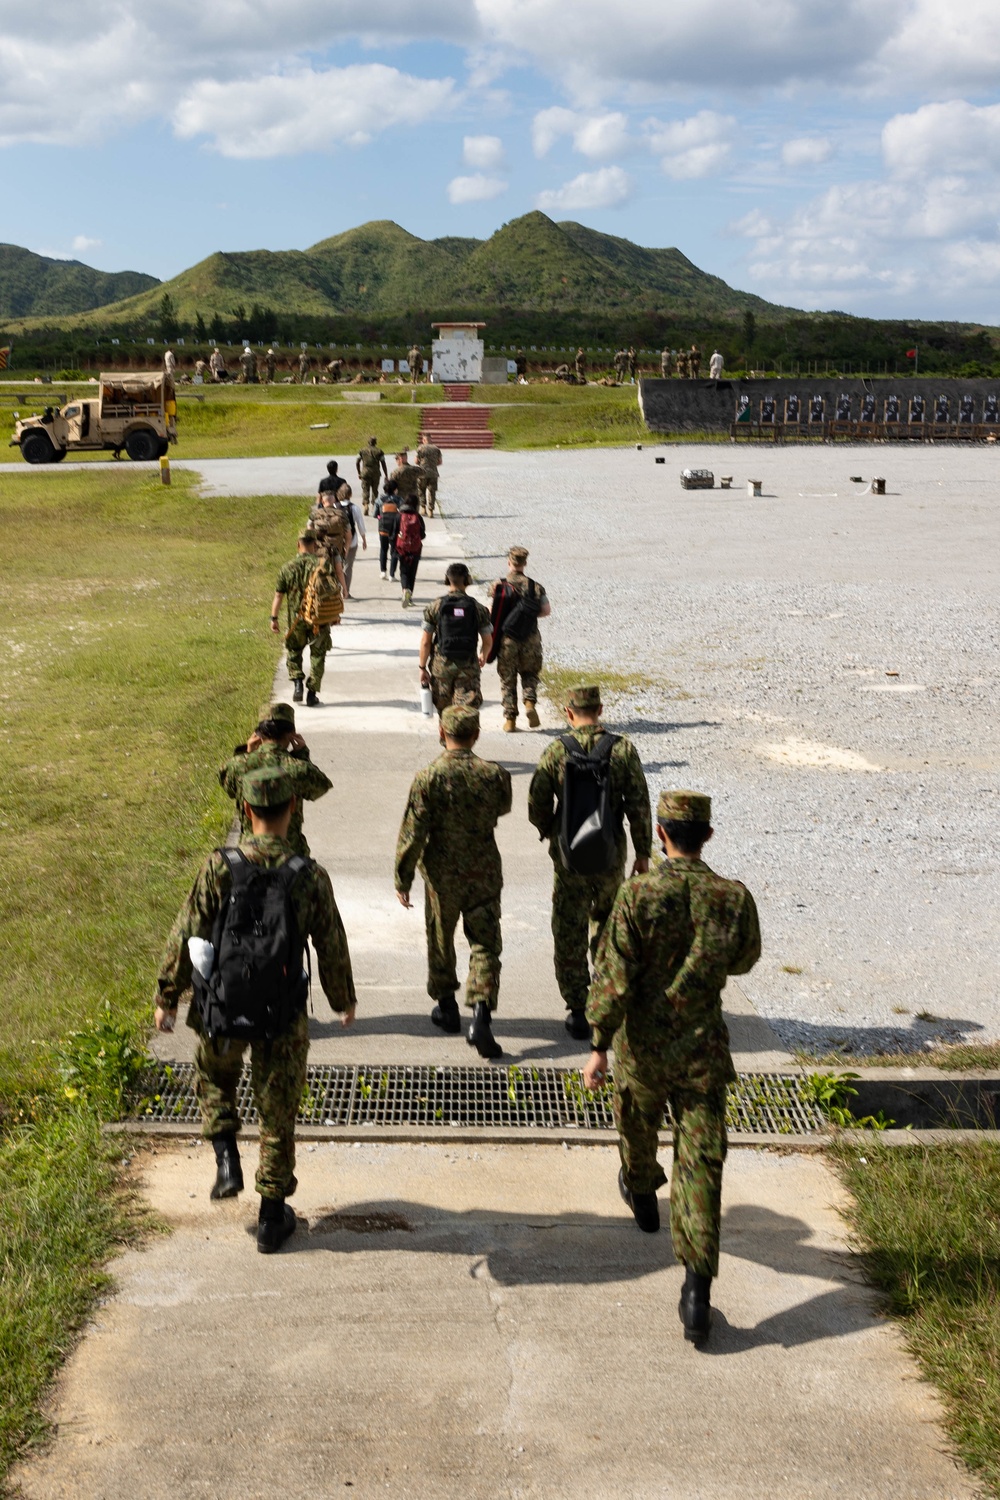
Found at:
<point>135,412</point>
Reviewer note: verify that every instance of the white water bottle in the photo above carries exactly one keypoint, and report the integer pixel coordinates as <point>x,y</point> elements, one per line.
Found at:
<point>202,956</point>
<point>426,702</point>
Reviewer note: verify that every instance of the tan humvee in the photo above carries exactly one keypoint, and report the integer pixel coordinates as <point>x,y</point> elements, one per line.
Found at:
<point>135,412</point>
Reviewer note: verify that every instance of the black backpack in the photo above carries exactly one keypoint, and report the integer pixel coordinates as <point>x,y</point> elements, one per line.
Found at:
<point>457,627</point>
<point>257,985</point>
<point>522,619</point>
<point>589,826</point>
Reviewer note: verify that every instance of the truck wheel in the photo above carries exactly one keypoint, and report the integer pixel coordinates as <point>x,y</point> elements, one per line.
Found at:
<point>164,447</point>
<point>37,449</point>
<point>58,454</point>
<point>142,446</point>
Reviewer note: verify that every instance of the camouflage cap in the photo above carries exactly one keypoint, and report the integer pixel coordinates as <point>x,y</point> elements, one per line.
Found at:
<point>518,554</point>
<point>460,722</point>
<point>268,787</point>
<point>284,712</point>
<point>684,807</point>
<point>308,536</point>
<point>584,697</point>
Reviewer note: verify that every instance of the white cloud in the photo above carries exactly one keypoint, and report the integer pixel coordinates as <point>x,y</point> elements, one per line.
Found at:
<point>475,189</point>
<point>596,136</point>
<point>483,151</point>
<point>806,151</point>
<point>608,187</point>
<point>699,146</point>
<point>306,110</point>
<point>83,242</point>
<point>943,138</point>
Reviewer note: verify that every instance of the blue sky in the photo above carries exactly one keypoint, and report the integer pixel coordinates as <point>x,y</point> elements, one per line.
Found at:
<point>841,156</point>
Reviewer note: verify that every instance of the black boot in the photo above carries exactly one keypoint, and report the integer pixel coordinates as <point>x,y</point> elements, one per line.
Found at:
<point>695,1306</point>
<point>229,1177</point>
<point>276,1223</point>
<point>481,1032</point>
<point>298,688</point>
<point>311,699</point>
<point>577,1024</point>
<point>645,1209</point>
<point>446,1015</point>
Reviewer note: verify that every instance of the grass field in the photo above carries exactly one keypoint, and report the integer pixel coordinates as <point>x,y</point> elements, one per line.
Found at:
<point>135,655</point>
<point>927,1221</point>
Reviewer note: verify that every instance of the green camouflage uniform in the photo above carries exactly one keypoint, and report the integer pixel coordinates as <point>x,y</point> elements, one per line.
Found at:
<point>278,1068</point>
<point>292,582</point>
<point>428,457</point>
<point>370,462</point>
<point>415,359</point>
<point>447,834</point>
<point>407,477</point>
<point>672,937</point>
<point>308,781</point>
<point>455,681</point>
<point>581,899</point>
<point>519,658</point>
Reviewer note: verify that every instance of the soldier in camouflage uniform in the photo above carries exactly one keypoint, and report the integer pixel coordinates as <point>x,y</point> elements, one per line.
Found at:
<point>682,364</point>
<point>429,459</point>
<point>580,367</point>
<point>290,587</point>
<point>579,899</point>
<point>370,464</point>
<point>415,361</point>
<point>694,361</point>
<point>447,834</point>
<point>270,360</point>
<point>275,743</point>
<point>671,939</point>
<point>278,1067</point>
<point>407,477</point>
<point>454,679</point>
<point>303,367</point>
<point>666,363</point>
<point>518,657</point>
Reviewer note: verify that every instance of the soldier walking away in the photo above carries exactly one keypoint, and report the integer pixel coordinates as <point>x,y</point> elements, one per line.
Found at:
<point>586,783</point>
<point>429,459</point>
<point>406,532</point>
<point>671,939</point>
<point>580,367</point>
<point>275,743</point>
<point>448,835</point>
<point>415,361</point>
<point>694,361</point>
<point>407,477</point>
<point>370,464</point>
<point>270,361</point>
<point>305,626</point>
<point>715,365</point>
<point>517,604</point>
<point>386,508</point>
<point>666,363</point>
<point>450,654</point>
<point>303,367</point>
<point>248,916</point>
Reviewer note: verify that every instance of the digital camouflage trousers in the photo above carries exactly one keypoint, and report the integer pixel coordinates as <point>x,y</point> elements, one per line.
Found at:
<point>699,1153</point>
<point>581,905</point>
<point>519,659</point>
<point>278,1076</point>
<point>369,491</point>
<point>427,490</point>
<point>456,682</point>
<point>481,925</point>
<point>296,641</point>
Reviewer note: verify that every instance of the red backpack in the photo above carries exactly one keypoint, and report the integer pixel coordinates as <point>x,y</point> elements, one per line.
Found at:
<point>408,540</point>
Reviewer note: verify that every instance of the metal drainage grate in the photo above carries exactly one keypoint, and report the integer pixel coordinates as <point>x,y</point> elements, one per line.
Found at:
<point>506,1098</point>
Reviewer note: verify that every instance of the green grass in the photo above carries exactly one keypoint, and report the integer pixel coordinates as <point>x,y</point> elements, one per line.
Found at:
<point>927,1223</point>
<point>957,1057</point>
<point>616,687</point>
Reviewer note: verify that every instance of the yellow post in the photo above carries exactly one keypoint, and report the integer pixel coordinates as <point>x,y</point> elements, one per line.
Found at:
<point>164,470</point>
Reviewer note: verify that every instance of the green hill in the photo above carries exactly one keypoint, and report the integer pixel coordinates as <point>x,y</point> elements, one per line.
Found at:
<point>38,286</point>
<point>380,270</point>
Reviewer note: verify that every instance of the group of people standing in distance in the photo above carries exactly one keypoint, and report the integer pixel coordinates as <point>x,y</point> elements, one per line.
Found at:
<point>686,363</point>
<point>640,959</point>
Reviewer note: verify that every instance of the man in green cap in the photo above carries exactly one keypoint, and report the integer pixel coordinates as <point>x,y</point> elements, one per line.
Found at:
<point>291,587</point>
<point>447,834</point>
<point>369,464</point>
<point>671,939</point>
<point>579,899</point>
<point>275,743</point>
<point>455,643</point>
<point>239,938</point>
<point>517,604</point>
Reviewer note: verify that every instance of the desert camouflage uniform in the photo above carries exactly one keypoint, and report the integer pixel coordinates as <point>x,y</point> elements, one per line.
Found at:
<point>303,367</point>
<point>519,658</point>
<point>278,1068</point>
<point>671,939</point>
<point>415,359</point>
<point>580,366</point>
<point>407,477</point>
<point>581,899</point>
<point>309,782</point>
<point>682,364</point>
<point>447,834</point>
<point>370,462</point>
<point>292,582</point>
<point>428,457</point>
<point>694,361</point>
<point>666,363</point>
<point>457,681</point>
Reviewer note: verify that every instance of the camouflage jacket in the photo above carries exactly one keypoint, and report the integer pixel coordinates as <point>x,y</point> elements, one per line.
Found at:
<point>429,458</point>
<point>628,789</point>
<point>519,582</point>
<point>447,830</point>
<point>315,911</point>
<point>407,477</point>
<point>671,939</point>
<point>433,613</point>
<point>292,581</point>
<point>370,460</point>
<point>308,780</point>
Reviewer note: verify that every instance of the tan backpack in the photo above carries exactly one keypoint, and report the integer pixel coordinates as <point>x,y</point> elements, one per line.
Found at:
<point>322,600</point>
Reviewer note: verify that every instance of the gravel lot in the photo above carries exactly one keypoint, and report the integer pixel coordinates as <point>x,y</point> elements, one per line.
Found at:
<point>757,639</point>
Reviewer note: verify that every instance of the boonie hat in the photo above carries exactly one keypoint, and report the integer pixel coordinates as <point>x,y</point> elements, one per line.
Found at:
<point>584,697</point>
<point>684,807</point>
<point>268,787</point>
<point>460,722</point>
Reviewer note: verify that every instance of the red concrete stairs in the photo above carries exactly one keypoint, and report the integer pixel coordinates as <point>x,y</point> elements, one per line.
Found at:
<point>456,426</point>
<point>457,392</point>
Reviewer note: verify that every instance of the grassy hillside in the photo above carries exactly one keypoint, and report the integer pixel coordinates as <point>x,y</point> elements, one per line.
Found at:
<point>37,286</point>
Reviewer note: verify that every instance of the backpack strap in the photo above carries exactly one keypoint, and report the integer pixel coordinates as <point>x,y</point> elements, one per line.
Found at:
<point>605,746</point>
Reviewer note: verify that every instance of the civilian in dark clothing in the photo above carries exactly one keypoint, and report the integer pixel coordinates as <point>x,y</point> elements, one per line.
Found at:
<point>386,511</point>
<point>399,525</point>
